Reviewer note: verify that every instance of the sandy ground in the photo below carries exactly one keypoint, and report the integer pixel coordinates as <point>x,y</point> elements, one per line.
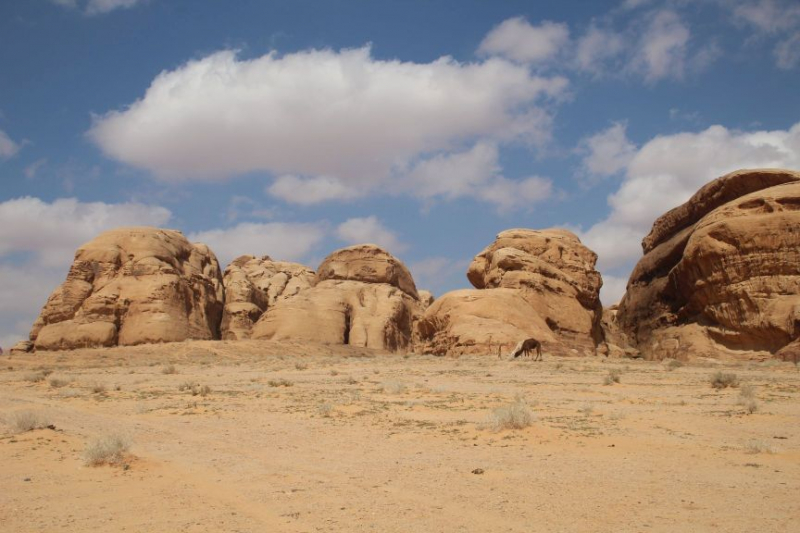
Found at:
<point>298,438</point>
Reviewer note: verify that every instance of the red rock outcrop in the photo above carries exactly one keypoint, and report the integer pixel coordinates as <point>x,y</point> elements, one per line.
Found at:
<point>720,273</point>
<point>133,286</point>
<point>254,284</point>
<point>539,283</point>
<point>362,296</point>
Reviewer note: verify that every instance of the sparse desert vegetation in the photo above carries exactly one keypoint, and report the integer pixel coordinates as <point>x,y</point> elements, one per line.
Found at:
<point>286,448</point>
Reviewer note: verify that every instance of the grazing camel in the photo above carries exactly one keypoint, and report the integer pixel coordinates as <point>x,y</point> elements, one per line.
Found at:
<point>525,347</point>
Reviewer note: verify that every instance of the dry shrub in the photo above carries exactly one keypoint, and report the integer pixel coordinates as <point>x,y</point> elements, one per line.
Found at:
<point>516,415</point>
<point>169,369</point>
<point>301,366</point>
<point>393,387</point>
<point>723,380</point>
<point>57,383</point>
<point>612,377</point>
<point>757,446</point>
<point>109,449</point>
<point>23,421</point>
<point>34,377</point>
<point>279,383</point>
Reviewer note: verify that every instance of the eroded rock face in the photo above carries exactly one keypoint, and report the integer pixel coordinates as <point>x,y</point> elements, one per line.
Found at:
<point>362,296</point>
<point>252,285</point>
<point>367,263</point>
<point>721,272</point>
<point>471,321</point>
<point>547,285</point>
<point>133,286</point>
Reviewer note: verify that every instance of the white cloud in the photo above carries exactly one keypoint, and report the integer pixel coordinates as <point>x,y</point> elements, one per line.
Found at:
<point>613,290</point>
<point>518,40</point>
<point>774,18</point>
<point>309,191</point>
<point>32,169</point>
<point>475,173</point>
<point>608,152</point>
<point>768,16</point>
<point>440,274</point>
<point>668,170</point>
<point>596,47</point>
<point>283,241</point>
<point>53,231</point>
<point>343,115</point>
<point>370,230</point>
<point>787,52</point>
<point>8,148</point>
<point>98,7</point>
<point>662,48</point>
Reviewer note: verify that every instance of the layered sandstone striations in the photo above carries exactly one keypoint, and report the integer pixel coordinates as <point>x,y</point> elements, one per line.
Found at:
<point>720,272</point>
<point>361,296</point>
<point>529,283</point>
<point>254,284</point>
<point>132,286</point>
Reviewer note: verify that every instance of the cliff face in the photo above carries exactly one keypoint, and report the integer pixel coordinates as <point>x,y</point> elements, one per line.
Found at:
<point>132,286</point>
<point>720,272</point>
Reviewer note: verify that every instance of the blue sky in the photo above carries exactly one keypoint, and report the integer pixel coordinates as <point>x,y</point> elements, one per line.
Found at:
<point>293,128</point>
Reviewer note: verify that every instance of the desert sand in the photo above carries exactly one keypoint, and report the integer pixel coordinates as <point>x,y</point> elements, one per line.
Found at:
<point>291,437</point>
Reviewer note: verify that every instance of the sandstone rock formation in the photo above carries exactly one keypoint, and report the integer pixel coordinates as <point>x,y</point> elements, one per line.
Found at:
<point>133,286</point>
<point>530,283</point>
<point>362,296</point>
<point>21,347</point>
<point>721,272</point>
<point>252,285</point>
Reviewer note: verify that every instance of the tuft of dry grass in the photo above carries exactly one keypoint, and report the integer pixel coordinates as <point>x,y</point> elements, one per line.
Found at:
<point>672,364</point>
<point>325,410</point>
<point>747,398</point>
<point>393,387</point>
<point>34,377</point>
<point>723,380</point>
<point>301,366</point>
<point>109,449</point>
<point>169,369</point>
<point>516,415</point>
<point>97,387</point>
<point>757,446</point>
<point>281,382</point>
<point>57,383</point>
<point>612,377</point>
<point>23,421</point>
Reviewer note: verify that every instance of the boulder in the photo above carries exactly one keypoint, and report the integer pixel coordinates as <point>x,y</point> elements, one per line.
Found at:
<point>721,273</point>
<point>530,282</point>
<point>484,322</point>
<point>22,347</point>
<point>252,285</point>
<point>133,286</point>
<point>362,296</point>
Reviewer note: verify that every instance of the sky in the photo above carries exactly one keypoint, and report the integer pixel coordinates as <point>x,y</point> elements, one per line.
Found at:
<point>293,128</point>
